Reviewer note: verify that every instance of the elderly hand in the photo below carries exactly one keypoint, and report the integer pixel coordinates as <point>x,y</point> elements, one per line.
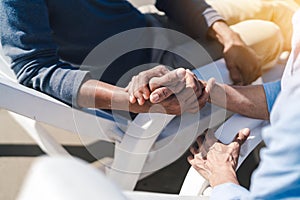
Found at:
<point>217,162</point>
<point>242,62</point>
<point>177,91</point>
<point>139,89</point>
<point>191,99</point>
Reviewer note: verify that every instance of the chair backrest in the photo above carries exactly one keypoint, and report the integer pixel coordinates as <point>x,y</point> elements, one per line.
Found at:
<point>5,68</point>
<point>29,102</point>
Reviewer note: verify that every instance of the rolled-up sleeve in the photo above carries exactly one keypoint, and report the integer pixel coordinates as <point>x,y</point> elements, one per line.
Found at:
<point>196,16</point>
<point>26,38</point>
<point>272,90</point>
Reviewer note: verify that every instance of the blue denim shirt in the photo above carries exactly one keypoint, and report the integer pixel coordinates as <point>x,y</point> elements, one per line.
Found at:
<point>38,34</point>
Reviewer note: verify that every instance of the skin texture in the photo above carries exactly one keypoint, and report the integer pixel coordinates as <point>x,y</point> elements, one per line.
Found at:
<point>179,93</point>
<point>242,62</point>
<point>215,161</point>
<point>159,84</point>
<point>246,100</point>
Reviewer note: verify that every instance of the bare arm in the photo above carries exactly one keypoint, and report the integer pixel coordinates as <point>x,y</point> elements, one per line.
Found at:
<point>246,100</point>
<point>97,94</point>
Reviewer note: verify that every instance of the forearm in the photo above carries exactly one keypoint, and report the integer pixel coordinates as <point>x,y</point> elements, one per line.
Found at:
<point>97,94</point>
<point>246,100</point>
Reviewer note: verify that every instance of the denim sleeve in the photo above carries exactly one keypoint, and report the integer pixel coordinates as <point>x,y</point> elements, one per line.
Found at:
<point>272,90</point>
<point>26,39</point>
<point>280,161</point>
<point>196,16</point>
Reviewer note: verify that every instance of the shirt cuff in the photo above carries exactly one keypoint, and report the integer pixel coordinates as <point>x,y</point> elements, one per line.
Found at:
<point>211,16</point>
<point>228,191</point>
<point>272,90</point>
<point>81,77</point>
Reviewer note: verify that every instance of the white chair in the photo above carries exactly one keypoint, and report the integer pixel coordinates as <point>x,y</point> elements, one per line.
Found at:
<point>73,179</point>
<point>142,146</point>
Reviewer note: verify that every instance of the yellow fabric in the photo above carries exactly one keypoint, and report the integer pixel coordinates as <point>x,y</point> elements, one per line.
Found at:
<point>262,36</point>
<point>279,12</point>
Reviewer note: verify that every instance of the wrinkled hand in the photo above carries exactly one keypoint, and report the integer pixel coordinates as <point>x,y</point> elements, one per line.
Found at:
<point>139,88</point>
<point>174,92</point>
<point>242,61</point>
<point>215,161</point>
<point>191,99</point>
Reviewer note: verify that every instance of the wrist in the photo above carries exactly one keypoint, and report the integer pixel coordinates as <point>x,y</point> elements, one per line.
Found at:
<point>225,35</point>
<point>227,176</point>
<point>136,108</point>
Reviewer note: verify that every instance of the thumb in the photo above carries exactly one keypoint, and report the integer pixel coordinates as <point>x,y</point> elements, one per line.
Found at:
<point>242,136</point>
<point>170,79</point>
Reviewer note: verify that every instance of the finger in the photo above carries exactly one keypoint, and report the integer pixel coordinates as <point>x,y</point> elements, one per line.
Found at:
<point>144,89</point>
<point>200,140</point>
<point>199,165</point>
<point>159,70</point>
<point>190,159</point>
<point>210,137</point>
<point>193,83</point>
<point>160,94</point>
<point>169,79</point>
<point>140,88</point>
<point>202,147</point>
<point>193,150</point>
<point>242,136</point>
<point>130,91</point>
<point>132,99</point>
<point>206,92</point>
<point>207,143</point>
<point>139,97</point>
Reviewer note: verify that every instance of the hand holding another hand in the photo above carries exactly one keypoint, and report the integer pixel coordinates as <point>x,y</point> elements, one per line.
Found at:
<point>176,91</point>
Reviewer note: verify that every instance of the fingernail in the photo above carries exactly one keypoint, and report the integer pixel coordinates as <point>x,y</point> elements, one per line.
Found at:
<point>139,101</point>
<point>245,131</point>
<point>155,98</point>
<point>145,96</point>
<point>131,98</point>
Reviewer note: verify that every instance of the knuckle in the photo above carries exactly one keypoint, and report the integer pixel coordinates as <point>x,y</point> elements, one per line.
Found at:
<point>235,145</point>
<point>161,68</point>
<point>142,73</point>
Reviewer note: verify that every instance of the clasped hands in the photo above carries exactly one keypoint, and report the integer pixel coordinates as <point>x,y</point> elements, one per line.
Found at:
<point>170,92</point>
<point>216,161</point>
